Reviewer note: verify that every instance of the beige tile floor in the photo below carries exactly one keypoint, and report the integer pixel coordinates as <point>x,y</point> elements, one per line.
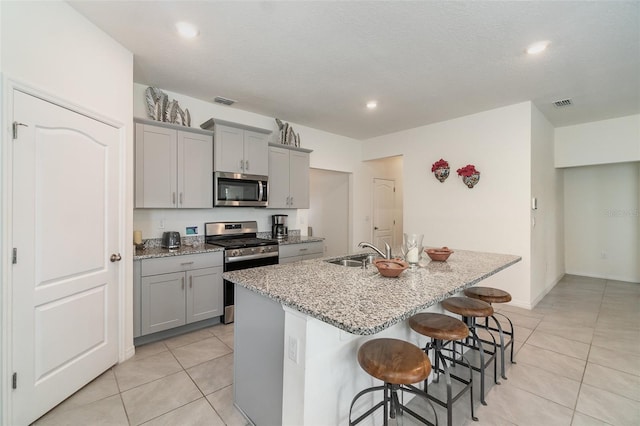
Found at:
<point>577,353</point>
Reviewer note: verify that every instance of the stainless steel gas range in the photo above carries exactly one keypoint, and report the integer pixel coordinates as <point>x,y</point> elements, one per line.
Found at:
<point>242,250</point>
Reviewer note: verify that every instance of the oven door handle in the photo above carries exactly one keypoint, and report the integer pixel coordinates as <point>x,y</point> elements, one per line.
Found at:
<point>250,257</point>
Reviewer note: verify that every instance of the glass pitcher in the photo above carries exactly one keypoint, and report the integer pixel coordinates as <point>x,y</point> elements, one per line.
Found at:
<point>412,248</point>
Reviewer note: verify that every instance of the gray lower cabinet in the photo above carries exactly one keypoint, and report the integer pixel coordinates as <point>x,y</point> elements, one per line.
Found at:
<point>290,253</point>
<point>174,291</point>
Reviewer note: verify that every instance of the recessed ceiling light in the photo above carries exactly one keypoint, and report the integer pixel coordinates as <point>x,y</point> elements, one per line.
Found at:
<point>538,47</point>
<point>187,30</point>
<point>372,104</point>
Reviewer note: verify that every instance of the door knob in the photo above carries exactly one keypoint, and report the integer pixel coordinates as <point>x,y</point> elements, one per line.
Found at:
<point>375,228</point>
<point>116,257</point>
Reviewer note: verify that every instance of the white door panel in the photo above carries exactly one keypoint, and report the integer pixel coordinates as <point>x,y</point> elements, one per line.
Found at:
<point>383,212</point>
<point>65,227</point>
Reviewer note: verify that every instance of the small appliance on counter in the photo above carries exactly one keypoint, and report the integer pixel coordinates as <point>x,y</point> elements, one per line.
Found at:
<point>279,228</point>
<point>171,240</point>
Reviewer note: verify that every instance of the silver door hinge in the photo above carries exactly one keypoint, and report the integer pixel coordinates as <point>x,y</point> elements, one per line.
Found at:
<point>14,381</point>
<point>14,256</point>
<point>15,129</point>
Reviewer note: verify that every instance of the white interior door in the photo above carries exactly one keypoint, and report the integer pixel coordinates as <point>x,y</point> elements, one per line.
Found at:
<point>383,208</point>
<point>65,229</point>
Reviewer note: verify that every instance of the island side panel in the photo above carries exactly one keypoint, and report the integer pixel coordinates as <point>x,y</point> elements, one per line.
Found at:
<point>319,387</point>
<point>258,356</point>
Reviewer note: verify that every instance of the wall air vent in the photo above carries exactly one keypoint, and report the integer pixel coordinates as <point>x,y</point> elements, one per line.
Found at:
<point>563,103</point>
<point>224,101</point>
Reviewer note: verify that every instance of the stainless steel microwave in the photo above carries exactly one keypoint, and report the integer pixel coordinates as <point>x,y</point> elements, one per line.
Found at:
<point>240,190</point>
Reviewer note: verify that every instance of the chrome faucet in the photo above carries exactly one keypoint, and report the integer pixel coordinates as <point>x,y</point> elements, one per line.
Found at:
<point>387,249</point>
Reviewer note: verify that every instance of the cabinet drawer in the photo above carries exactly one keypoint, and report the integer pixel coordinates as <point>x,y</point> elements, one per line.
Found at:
<point>164,265</point>
<point>301,249</point>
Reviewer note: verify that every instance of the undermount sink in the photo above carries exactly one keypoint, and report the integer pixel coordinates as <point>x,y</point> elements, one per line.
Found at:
<point>354,261</point>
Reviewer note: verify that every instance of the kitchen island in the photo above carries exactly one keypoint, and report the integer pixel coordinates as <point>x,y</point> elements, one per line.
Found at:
<point>299,326</point>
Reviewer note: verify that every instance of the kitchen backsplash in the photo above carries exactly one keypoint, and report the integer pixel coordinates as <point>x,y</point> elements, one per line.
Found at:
<point>149,221</point>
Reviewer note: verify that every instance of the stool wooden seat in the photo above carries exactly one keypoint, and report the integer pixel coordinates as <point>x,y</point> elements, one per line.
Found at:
<point>443,329</point>
<point>398,364</point>
<point>394,361</point>
<point>438,326</point>
<point>471,309</point>
<point>467,307</point>
<point>495,295</point>
<point>488,294</point>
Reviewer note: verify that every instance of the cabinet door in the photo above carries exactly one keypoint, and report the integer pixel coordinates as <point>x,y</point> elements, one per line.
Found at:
<point>278,177</point>
<point>299,180</point>
<point>195,170</point>
<point>156,167</point>
<point>256,153</point>
<point>291,259</point>
<point>229,149</point>
<point>204,294</point>
<point>163,299</point>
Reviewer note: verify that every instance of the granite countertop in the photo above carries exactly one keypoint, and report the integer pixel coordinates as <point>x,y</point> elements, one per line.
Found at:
<point>196,245</point>
<point>298,239</point>
<point>361,301</point>
<point>155,252</point>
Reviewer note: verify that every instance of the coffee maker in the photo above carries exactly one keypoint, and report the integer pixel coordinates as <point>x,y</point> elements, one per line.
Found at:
<point>279,228</point>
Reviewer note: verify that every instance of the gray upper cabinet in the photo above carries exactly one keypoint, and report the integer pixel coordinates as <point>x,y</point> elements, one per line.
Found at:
<point>288,177</point>
<point>239,148</point>
<point>173,166</point>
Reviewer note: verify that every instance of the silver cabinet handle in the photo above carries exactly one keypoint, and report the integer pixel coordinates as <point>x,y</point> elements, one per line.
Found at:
<point>181,199</point>
<point>173,198</point>
<point>288,200</point>
<point>304,249</point>
<point>246,165</point>
<point>241,165</point>
<point>190,281</point>
<point>182,281</point>
<point>115,257</point>
<point>291,201</point>
<point>186,263</point>
<point>260,190</point>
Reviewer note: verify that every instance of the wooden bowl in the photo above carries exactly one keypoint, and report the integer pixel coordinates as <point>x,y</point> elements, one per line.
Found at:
<point>390,267</point>
<point>439,254</point>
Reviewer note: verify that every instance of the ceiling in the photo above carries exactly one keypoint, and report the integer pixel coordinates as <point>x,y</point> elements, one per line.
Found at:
<point>317,63</point>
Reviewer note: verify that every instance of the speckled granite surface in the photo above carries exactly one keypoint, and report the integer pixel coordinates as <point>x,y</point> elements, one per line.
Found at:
<point>151,251</point>
<point>193,245</point>
<point>297,239</point>
<point>360,301</point>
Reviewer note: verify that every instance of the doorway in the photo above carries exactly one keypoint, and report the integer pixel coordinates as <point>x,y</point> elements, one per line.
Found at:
<point>65,234</point>
<point>329,209</point>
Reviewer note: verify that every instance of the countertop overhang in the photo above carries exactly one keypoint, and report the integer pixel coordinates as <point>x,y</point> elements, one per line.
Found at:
<point>361,301</point>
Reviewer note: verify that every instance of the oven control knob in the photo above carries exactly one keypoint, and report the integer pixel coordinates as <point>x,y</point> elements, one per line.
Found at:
<point>235,253</point>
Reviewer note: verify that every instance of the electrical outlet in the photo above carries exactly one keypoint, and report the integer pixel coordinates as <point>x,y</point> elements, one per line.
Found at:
<point>293,349</point>
<point>161,226</point>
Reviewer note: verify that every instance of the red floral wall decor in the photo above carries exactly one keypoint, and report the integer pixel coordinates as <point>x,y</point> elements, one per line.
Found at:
<point>470,176</point>
<point>440,170</point>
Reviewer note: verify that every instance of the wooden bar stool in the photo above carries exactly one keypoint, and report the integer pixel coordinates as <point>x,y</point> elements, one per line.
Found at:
<point>495,295</point>
<point>398,364</point>
<point>443,329</point>
<point>470,309</point>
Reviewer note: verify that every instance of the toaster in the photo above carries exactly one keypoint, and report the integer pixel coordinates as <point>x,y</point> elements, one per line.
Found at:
<point>171,240</point>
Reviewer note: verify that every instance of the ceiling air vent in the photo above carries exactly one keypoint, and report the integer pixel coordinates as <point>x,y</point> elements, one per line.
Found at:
<point>224,101</point>
<point>563,103</point>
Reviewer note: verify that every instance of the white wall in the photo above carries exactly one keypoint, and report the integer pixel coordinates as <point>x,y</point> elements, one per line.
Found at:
<point>48,46</point>
<point>547,233</point>
<point>600,142</point>
<point>495,215</point>
<point>330,152</point>
<point>602,225</point>
<point>329,209</point>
